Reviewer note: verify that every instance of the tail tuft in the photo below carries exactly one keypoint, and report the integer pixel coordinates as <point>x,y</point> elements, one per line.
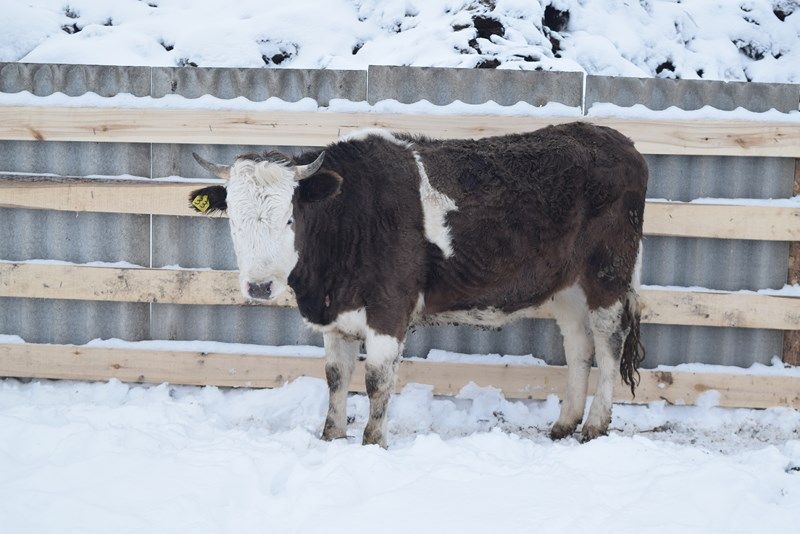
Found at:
<point>632,350</point>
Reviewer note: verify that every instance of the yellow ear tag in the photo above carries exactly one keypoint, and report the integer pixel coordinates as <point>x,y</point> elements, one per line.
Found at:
<point>201,203</point>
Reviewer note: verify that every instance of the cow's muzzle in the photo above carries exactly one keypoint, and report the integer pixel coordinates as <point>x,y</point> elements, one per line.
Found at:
<point>261,291</point>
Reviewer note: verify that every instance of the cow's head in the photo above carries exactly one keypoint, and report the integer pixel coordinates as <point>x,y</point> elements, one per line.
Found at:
<point>259,197</point>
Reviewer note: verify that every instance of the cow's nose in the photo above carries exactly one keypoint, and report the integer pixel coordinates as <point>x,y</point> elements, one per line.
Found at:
<point>259,291</point>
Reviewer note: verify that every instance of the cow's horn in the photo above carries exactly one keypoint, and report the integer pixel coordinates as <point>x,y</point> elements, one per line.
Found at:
<point>221,171</point>
<point>304,171</point>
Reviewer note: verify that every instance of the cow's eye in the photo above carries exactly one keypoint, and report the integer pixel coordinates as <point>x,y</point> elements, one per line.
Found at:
<point>289,222</point>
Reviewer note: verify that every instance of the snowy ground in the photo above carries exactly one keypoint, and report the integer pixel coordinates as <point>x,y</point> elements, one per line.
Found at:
<point>109,457</point>
<point>756,40</point>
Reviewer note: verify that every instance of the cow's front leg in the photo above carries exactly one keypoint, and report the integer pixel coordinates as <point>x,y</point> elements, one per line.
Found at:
<point>340,358</point>
<point>383,357</point>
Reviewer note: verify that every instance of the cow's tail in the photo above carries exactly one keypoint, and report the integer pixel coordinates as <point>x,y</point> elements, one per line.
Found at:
<point>632,349</point>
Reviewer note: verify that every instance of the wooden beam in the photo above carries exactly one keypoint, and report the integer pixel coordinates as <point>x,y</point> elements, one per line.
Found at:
<point>170,198</point>
<point>78,282</point>
<point>240,370</point>
<point>791,339</point>
<point>722,221</point>
<point>199,126</point>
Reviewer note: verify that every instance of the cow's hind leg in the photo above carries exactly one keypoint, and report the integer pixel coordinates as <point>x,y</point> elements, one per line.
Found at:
<point>341,354</point>
<point>383,358</point>
<point>572,315</point>
<point>609,339</point>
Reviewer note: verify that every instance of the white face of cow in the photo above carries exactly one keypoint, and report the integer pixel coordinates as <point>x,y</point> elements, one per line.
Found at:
<point>259,204</point>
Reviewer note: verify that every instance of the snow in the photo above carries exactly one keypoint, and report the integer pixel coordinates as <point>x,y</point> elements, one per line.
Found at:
<point>639,111</point>
<point>754,40</point>
<point>336,105</point>
<point>788,290</point>
<point>114,264</point>
<point>207,347</point>
<point>79,457</point>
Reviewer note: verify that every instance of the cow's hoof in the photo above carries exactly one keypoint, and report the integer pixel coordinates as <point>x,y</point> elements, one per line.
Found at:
<point>330,435</point>
<point>331,432</point>
<point>374,438</point>
<point>588,433</point>
<point>561,431</point>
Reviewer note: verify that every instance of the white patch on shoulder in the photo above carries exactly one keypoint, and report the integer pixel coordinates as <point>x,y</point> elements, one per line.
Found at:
<point>435,207</point>
<point>360,135</point>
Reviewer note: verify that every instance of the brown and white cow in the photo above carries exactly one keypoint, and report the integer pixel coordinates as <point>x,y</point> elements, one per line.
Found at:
<point>381,231</point>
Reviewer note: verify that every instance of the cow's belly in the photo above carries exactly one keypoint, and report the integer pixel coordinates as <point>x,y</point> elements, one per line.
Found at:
<point>486,317</point>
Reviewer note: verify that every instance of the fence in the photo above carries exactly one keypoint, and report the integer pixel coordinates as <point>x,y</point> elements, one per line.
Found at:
<point>171,292</point>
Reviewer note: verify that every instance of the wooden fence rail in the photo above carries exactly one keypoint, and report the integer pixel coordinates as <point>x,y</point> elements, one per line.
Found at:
<point>679,219</point>
<point>203,126</point>
<point>447,378</point>
<point>204,287</point>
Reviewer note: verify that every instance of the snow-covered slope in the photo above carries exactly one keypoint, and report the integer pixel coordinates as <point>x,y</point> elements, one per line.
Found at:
<point>108,457</point>
<point>755,40</point>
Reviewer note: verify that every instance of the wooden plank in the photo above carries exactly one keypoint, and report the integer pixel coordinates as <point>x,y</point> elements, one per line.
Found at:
<point>733,310</point>
<point>170,198</point>
<point>722,221</point>
<point>77,282</point>
<point>791,339</point>
<point>198,126</point>
<point>239,370</point>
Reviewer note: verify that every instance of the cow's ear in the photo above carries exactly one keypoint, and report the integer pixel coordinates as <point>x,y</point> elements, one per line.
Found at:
<point>209,199</point>
<point>322,185</point>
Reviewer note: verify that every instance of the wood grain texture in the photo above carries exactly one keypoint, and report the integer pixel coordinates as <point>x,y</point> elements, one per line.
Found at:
<point>198,126</point>
<point>791,339</point>
<point>77,282</point>
<point>169,198</point>
<point>447,378</point>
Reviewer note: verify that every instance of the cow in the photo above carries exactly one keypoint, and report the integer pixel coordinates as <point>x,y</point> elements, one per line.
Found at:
<point>381,231</point>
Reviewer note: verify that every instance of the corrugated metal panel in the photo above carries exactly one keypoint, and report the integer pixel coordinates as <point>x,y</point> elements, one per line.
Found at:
<point>685,178</point>
<point>661,93</point>
<point>72,321</point>
<point>43,79</point>
<point>74,236</point>
<point>259,84</point>
<point>75,159</point>
<point>234,324</point>
<point>473,86</point>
